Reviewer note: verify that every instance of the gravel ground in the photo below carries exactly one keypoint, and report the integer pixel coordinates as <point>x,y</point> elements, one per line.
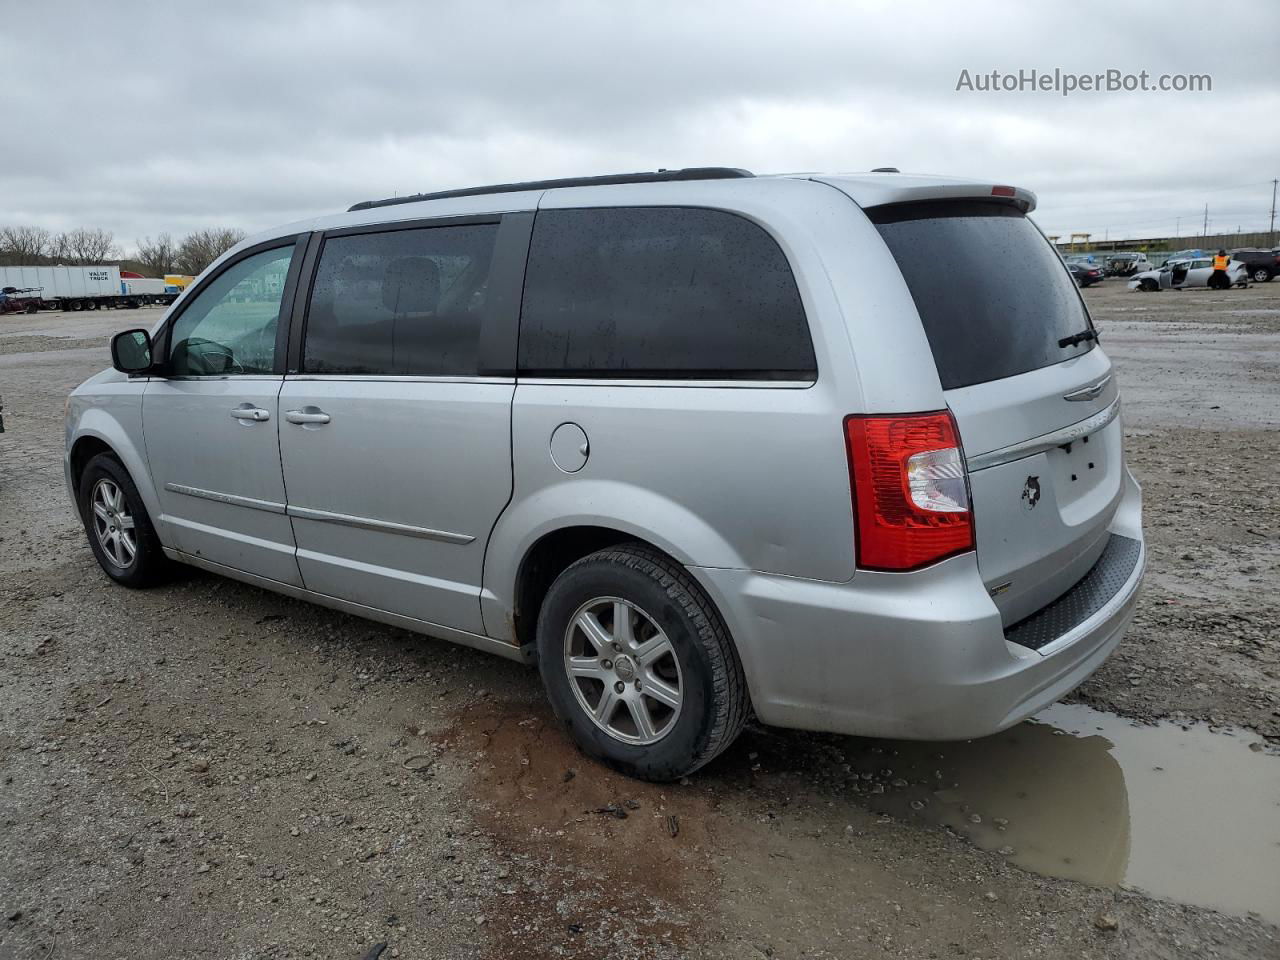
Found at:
<point>210,770</point>
<point>1200,374</point>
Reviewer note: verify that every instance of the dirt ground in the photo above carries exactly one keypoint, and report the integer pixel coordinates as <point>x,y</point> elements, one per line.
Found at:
<point>210,770</point>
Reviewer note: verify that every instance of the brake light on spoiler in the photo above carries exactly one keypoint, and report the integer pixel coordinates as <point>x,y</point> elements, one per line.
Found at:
<point>910,490</point>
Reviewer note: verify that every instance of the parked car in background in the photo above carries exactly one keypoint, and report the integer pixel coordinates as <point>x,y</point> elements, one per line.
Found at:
<point>1181,274</point>
<point>1127,264</point>
<point>1262,264</point>
<point>1084,275</point>
<point>1083,259</point>
<point>680,438</point>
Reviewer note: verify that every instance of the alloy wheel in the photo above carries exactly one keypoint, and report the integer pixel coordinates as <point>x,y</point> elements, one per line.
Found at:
<point>113,524</point>
<point>623,670</point>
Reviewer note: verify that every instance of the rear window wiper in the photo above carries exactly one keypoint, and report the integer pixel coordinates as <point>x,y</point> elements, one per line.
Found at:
<point>1081,337</point>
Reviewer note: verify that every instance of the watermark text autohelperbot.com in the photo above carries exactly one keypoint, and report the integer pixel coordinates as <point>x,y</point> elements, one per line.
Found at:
<point>1066,83</point>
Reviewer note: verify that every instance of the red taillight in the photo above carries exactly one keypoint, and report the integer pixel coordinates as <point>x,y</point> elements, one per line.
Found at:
<point>910,490</point>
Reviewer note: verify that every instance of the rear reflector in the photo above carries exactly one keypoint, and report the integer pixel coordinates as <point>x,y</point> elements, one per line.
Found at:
<point>910,490</point>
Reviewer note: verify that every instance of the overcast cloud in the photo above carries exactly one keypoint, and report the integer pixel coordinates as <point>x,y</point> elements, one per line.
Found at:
<point>144,118</point>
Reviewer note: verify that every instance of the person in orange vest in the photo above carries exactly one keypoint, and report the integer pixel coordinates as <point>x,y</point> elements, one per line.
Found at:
<point>1218,280</point>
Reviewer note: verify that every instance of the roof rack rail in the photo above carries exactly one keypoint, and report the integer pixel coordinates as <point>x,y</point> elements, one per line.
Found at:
<point>657,176</point>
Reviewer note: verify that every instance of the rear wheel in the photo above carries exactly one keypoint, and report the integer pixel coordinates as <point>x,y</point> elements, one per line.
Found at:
<point>1261,275</point>
<point>638,664</point>
<point>120,532</point>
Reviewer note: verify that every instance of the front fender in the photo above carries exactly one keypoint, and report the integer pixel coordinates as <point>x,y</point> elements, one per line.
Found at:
<point>112,414</point>
<point>632,510</point>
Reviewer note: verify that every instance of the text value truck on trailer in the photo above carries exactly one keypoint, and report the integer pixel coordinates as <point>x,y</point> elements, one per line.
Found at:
<point>82,288</point>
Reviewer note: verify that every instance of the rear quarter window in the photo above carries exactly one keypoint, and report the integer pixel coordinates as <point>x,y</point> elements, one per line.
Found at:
<point>660,292</point>
<point>991,291</point>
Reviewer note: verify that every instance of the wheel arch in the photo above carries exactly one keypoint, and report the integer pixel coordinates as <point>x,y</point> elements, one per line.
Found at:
<point>546,559</point>
<point>554,526</point>
<point>97,431</point>
<point>82,451</point>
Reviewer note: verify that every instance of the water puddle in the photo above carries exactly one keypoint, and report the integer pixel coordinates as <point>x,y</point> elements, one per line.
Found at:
<point>1192,815</point>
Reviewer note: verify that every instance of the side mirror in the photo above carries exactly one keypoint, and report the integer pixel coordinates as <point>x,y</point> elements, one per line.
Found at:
<point>131,351</point>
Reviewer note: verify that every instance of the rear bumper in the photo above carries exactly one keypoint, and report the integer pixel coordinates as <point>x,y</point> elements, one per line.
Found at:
<point>914,656</point>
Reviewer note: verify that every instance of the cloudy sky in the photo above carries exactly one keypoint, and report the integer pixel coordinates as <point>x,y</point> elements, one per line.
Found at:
<point>144,118</point>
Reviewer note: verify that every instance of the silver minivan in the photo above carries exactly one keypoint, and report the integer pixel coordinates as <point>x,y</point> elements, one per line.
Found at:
<point>840,452</point>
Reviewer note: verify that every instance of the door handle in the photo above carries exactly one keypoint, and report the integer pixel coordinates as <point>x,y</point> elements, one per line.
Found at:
<point>250,412</point>
<point>307,415</point>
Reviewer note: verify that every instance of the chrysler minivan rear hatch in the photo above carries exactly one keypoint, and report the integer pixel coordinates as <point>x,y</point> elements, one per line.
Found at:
<point>1032,395</point>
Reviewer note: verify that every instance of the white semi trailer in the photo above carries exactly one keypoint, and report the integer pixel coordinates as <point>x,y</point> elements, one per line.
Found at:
<point>81,288</point>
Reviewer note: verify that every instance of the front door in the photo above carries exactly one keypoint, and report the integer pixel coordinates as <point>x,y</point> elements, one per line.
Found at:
<point>396,451</point>
<point>210,424</point>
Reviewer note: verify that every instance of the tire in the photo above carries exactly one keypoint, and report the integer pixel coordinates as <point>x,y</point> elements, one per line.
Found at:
<point>144,565</point>
<point>1261,275</point>
<point>686,649</point>
<point>1149,285</point>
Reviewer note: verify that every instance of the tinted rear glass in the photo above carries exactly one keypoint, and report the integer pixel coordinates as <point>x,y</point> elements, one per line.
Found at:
<point>990,289</point>
<point>660,292</point>
<point>402,302</point>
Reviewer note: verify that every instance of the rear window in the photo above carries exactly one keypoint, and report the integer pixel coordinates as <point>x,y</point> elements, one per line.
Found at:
<point>990,289</point>
<point>660,292</point>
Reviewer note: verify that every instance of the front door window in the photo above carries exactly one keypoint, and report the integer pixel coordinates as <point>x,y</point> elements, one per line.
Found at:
<point>230,327</point>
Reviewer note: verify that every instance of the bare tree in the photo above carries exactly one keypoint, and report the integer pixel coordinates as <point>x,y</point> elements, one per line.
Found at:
<point>159,256</point>
<point>85,245</point>
<point>20,246</point>
<point>60,248</point>
<point>201,248</point>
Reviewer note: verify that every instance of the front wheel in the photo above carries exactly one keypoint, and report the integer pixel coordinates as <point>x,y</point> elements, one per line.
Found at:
<point>638,665</point>
<point>1149,285</point>
<point>120,532</point>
